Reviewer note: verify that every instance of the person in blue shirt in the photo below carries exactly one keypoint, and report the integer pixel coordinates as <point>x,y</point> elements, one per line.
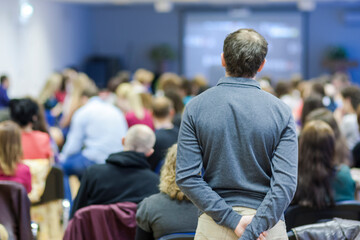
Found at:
<point>4,99</point>
<point>96,131</point>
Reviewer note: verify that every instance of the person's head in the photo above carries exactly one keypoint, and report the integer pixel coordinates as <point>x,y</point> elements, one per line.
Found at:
<point>10,147</point>
<point>130,100</point>
<point>315,171</point>
<point>162,108</point>
<point>4,81</point>
<point>168,175</point>
<point>244,53</point>
<point>121,77</point>
<point>90,90</point>
<point>139,138</point>
<point>169,81</point>
<point>24,111</point>
<point>143,76</point>
<point>176,100</point>
<point>342,152</point>
<point>52,85</point>
<point>282,88</point>
<point>351,98</point>
<point>310,104</point>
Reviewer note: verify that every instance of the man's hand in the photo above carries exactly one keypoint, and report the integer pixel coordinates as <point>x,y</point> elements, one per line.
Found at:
<point>244,221</point>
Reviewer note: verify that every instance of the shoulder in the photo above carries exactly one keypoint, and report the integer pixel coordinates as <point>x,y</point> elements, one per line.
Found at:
<point>152,203</point>
<point>22,168</point>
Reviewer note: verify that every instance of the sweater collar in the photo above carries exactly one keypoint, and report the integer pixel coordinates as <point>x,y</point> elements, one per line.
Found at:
<point>239,82</point>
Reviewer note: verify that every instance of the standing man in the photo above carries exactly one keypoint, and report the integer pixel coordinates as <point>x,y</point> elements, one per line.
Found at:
<point>243,141</point>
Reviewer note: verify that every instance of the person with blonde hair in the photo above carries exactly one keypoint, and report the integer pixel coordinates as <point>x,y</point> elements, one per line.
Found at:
<point>142,80</point>
<point>169,211</point>
<point>11,168</point>
<point>73,100</point>
<point>129,101</point>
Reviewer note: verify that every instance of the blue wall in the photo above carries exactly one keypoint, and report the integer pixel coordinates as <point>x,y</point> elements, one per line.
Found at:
<point>327,27</point>
<point>131,31</point>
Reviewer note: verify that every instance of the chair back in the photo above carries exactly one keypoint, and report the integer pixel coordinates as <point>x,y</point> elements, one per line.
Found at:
<point>178,236</point>
<point>15,210</point>
<point>298,216</point>
<point>112,222</point>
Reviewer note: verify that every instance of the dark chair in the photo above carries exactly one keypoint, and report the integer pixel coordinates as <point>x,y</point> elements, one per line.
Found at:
<point>178,236</point>
<point>54,186</point>
<point>298,216</point>
<point>112,222</point>
<point>15,210</point>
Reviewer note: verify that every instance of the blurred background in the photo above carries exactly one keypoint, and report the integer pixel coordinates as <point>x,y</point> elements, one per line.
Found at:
<point>101,37</point>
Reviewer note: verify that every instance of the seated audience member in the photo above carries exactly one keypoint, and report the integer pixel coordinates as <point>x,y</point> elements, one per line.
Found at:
<point>316,173</point>
<point>169,211</point>
<point>178,104</point>
<point>35,144</point>
<point>348,122</point>
<point>4,85</point>
<point>342,152</point>
<point>165,131</point>
<point>310,104</point>
<point>130,102</point>
<point>142,80</point>
<point>95,132</point>
<point>356,149</point>
<point>11,169</point>
<point>76,83</point>
<point>47,98</point>
<point>125,177</point>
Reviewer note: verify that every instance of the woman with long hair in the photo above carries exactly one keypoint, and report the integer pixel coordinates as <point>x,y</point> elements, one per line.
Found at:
<point>316,172</point>
<point>130,103</point>
<point>168,211</point>
<point>343,184</point>
<point>11,169</point>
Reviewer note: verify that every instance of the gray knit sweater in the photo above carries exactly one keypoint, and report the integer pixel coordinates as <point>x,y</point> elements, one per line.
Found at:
<point>244,140</point>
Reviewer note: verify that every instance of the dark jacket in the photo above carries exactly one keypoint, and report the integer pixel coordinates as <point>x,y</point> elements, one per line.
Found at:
<point>125,177</point>
<point>332,230</point>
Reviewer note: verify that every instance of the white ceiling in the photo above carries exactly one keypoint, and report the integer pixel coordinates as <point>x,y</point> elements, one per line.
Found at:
<point>127,2</point>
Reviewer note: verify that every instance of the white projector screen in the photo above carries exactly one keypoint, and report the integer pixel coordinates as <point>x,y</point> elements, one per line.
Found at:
<point>204,34</point>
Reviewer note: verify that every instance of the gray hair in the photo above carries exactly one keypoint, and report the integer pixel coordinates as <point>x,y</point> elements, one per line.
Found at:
<point>140,138</point>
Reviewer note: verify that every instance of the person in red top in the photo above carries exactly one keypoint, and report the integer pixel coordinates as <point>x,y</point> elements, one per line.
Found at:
<point>10,156</point>
<point>35,144</point>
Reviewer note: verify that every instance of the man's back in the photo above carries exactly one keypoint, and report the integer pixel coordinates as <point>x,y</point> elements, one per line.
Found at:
<point>238,129</point>
<point>98,127</point>
<point>238,126</point>
<point>126,177</point>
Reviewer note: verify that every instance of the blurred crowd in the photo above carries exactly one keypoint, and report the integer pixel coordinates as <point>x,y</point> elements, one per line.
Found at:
<point>74,125</point>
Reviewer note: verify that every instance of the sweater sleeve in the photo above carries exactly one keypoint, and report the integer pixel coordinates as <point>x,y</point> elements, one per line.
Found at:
<point>188,178</point>
<point>282,185</point>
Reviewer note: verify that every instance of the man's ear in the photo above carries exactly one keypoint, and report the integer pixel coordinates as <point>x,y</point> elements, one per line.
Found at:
<point>123,141</point>
<point>223,63</point>
<point>148,154</point>
<point>262,65</point>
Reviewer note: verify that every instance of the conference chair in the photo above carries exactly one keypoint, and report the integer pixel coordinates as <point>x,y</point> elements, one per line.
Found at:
<point>112,222</point>
<point>15,210</point>
<point>298,216</point>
